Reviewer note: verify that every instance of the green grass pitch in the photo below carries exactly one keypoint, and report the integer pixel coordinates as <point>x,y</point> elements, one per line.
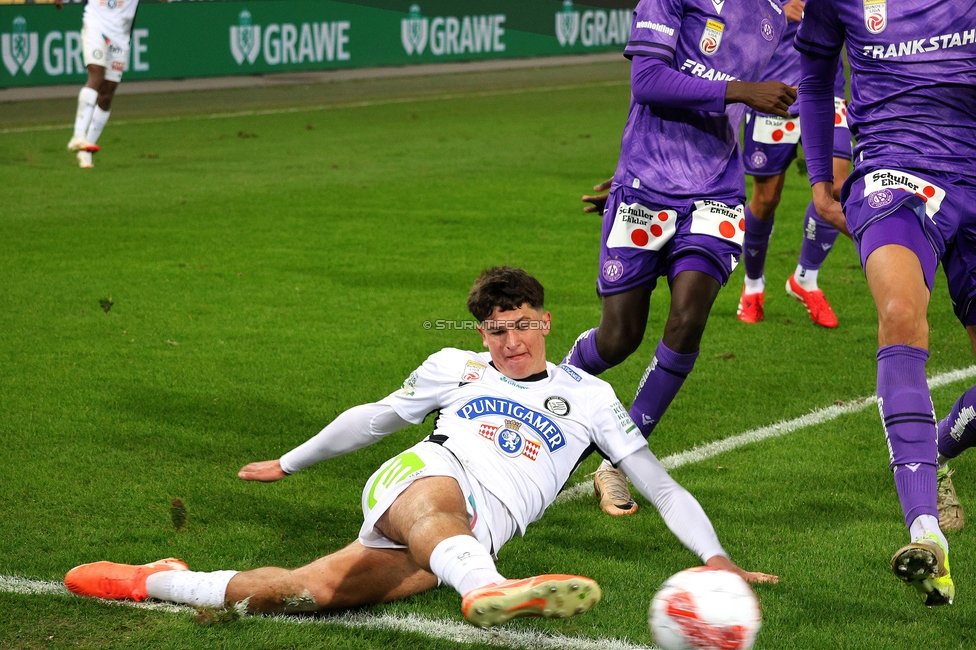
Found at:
<point>269,270</point>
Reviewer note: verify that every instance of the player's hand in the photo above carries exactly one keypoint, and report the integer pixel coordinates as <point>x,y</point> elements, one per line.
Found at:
<point>828,207</point>
<point>58,4</point>
<point>794,10</point>
<point>597,201</point>
<point>722,562</point>
<point>266,471</point>
<point>771,97</point>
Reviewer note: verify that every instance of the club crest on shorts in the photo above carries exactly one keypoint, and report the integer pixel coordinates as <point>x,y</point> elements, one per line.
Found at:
<point>875,15</point>
<point>711,37</point>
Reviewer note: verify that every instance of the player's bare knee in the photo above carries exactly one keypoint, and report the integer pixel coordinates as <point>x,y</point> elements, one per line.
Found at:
<point>902,322</point>
<point>684,329</point>
<point>619,344</point>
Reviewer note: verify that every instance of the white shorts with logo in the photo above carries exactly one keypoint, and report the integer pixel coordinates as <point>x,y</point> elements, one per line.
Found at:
<point>491,522</point>
<point>104,48</point>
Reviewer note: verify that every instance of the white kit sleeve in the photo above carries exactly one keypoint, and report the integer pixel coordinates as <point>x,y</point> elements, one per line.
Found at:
<point>681,511</point>
<point>354,429</point>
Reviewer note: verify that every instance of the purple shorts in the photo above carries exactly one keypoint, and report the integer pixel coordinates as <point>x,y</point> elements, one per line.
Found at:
<point>931,213</point>
<point>769,143</point>
<point>644,238</point>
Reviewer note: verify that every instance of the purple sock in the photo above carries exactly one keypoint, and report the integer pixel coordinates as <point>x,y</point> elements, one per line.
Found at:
<point>818,238</point>
<point>909,424</point>
<point>659,385</point>
<point>957,432</point>
<point>756,244</point>
<point>584,354</point>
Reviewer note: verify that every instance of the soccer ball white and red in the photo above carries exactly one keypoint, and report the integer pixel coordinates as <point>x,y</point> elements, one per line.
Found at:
<point>705,609</point>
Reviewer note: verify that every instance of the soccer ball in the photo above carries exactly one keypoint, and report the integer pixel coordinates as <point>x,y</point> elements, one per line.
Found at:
<point>705,609</point>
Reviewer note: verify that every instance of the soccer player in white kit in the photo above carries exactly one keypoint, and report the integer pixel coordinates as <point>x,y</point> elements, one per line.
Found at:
<point>511,430</point>
<point>105,30</point>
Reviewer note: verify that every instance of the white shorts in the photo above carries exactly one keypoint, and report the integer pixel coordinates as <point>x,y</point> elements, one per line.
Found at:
<point>491,522</point>
<point>102,49</point>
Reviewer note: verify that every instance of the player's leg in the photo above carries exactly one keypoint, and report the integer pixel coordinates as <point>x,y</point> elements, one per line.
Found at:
<point>692,294</point>
<point>818,240</point>
<point>103,109</point>
<point>95,54</point>
<point>760,217</point>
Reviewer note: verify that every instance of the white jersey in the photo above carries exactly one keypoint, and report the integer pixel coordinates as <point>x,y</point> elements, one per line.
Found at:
<point>520,439</point>
<point>113,17</point>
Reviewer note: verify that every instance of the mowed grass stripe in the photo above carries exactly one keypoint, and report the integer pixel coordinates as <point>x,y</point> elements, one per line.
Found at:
<point>818,416</point>
<point>412,623</point>
<point>331,107</point>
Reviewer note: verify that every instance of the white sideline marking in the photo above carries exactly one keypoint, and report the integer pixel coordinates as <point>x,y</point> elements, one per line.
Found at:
<point>330,107</point>
<point>819,416</point>
<point>432,628</point>
<point>462,633</point>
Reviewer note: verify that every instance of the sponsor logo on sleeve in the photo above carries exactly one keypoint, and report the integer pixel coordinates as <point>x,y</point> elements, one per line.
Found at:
<point>572,373</point>
<point>719,220</point>
<point>473,371</point>
<point>20,48</point>
<point>623,418</point>
<point>539,423</point>
<point>875,15</point>
<point>890,179</point>
<point>409,387</point>
<point>637,226</point>
<point>711,37</point>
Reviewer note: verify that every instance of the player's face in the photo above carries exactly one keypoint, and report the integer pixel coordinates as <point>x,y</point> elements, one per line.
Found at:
<point>516,340</point>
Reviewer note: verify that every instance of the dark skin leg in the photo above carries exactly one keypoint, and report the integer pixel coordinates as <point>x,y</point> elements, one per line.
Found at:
<point>624,317</point>
<point>105,88</point>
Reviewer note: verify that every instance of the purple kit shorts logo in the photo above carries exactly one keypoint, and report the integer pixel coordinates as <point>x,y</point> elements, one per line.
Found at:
<point>613,270</point>
<point>880,198</point>
<point>758,159</point>
<point>767,29</point>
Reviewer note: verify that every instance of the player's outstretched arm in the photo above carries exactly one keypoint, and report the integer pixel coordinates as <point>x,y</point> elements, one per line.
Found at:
<point>681,512</point>
<point>771,97</point>
<point>354,429</point>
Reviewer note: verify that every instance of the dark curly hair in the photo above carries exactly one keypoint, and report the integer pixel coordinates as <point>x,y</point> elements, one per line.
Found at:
<point>504,287</point>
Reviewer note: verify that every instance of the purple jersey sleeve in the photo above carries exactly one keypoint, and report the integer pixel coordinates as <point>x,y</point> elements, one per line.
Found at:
<point>821,34</point>
<point>816,95</point>
<point>655,30</point>
<point>654,83</point>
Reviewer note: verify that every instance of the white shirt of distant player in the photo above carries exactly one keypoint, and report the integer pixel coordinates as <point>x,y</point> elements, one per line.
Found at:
<point>638,226</point>
<point>112,17</point>
<point>771,129</point>
<point>520,440</point>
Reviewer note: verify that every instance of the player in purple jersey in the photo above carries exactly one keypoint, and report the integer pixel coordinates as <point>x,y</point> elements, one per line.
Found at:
<point>909,205</point>
<point>769,146</point>
<point>675,207</point>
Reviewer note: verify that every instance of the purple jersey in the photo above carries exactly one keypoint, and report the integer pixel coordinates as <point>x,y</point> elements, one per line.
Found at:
<point>680,154</point>
<point>785,64</point>
<point>913,78</point>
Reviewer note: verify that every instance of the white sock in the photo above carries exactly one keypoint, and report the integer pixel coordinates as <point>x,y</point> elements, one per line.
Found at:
<point>755,286</point>
<point>86,104</point>
<point>806,278</point>
<point>462,562</point>
<point>98,120</point>
<point>606,464</point>
<point>190,587</point>
<point>927,524</point>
